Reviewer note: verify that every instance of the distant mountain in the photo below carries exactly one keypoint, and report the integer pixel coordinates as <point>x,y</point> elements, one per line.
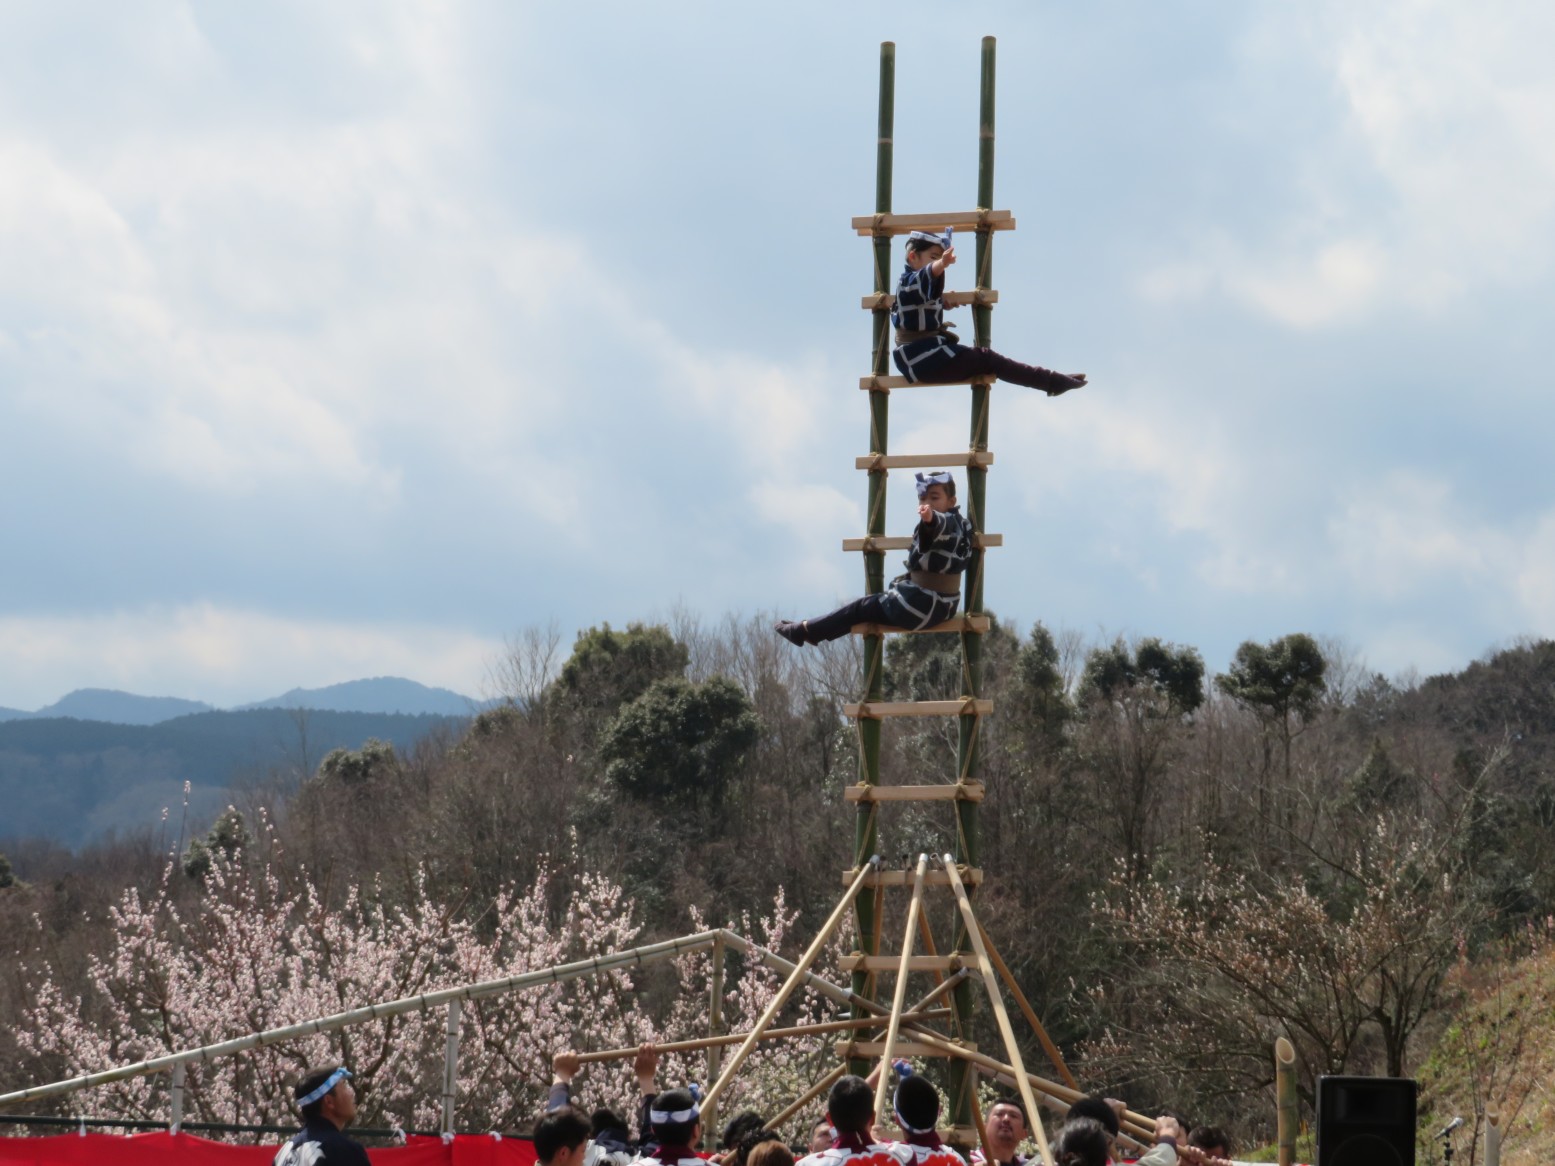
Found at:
<point>381,694</point>
<point>74,780</point>
<point>120,708</point>
<point>13,714</point>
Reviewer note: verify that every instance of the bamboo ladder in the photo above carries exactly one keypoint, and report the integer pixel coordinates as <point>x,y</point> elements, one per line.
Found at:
<point>960,871</point>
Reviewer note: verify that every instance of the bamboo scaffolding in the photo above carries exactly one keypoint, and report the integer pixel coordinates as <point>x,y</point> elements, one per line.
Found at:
<point>715,1008</point>
<point>991,982</point>
<point>1285,1099</point>
<point>633,957</point>
<point>724,1040</point>
<point>899,997</point>
<point>1025,1006</point>
<point>787,990</point>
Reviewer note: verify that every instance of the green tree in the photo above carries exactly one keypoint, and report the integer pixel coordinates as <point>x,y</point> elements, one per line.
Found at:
<point>1171,674</point>
<point>227,836</point>
<point>7,876</point>
<point>680,743</point>
<point>1282,683</point>
<point>609,669</point>
<point>356,768</point>
<point>1135,704</point>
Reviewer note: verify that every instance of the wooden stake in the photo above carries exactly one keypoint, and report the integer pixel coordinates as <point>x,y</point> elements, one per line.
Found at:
<point>1285,1099</point>
<point>1025,1006</point>
<point>787,990</point>
<point>882,1084</point>
<point>991,982</point>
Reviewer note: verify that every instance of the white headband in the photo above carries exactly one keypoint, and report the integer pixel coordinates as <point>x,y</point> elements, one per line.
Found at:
<point>665,1117</point>
<point>330,1082</point>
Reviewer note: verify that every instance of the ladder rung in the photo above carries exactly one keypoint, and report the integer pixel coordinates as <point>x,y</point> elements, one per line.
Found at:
<point>890,963</point>
<point>920,461</point>
<point>876,384</point>
<point>956,623</point>
<point>903,1048</point>
<point>972,876</point>
<point>960,220</point>
<point>874,710</point>
<point>971,791</point>
<point>978,297</point>
<point>882,542</point>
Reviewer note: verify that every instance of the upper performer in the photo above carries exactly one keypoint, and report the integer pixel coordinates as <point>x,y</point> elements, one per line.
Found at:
<point>927,352</point>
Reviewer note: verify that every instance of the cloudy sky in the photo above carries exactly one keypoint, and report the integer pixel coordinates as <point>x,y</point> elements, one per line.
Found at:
<point>350,339</point>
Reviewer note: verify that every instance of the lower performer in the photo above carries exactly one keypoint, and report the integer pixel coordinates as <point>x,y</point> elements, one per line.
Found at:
<point>930,591</point>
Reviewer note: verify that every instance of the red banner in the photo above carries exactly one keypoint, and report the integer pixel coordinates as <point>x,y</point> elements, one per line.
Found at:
<point>164,1149</point>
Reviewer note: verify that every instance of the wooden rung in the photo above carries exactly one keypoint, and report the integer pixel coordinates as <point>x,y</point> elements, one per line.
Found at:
<point>956,623</point>
<point>960,220</point>
<point>875,384</point>
<point>874,710</point>
<point>890,963</point>
<point>971,791</point>
<point>882,542</point>
<point>921,461</point>
<point>902,1048</point>
<point>977,297</point>
<point>972,876</point>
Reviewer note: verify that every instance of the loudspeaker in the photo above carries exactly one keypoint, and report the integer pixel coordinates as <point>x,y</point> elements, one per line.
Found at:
<point>1366,1121</point>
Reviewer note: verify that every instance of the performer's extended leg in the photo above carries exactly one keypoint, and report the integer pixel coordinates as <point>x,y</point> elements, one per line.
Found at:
<point>836,624</point>
<point>965,363</point>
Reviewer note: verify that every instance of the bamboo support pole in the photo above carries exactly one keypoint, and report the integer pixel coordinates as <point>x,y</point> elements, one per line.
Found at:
<point>715,1005</point>
<point>1060,1097</point>
<point>967,759</point>
<point>1025,1006</point>
<point>1492,1138</point>
<point>996,998</point>
<point>1285,1099</point>
<point>633,957</point>
<point>899,997</point>
<point>793,981</point>
<point>175,1097</point>
<point>450,1066</point>
<point>807,1097</point>
<point>977,1120</point>
<point>724,1040</point>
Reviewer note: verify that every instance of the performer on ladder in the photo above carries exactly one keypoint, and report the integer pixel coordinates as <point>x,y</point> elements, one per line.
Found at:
<point>927,352</point>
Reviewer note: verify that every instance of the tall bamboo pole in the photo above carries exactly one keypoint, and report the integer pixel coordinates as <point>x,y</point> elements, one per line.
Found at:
<point>870,728</point>
<point>967,841</point>
<point>1285,1099</point>
<point>882,1084</point>
<point>715,1021</point>
<point>1492,1138</point>
<point>794,979</point>
<point>996,998</point>
<point>724,1040</point>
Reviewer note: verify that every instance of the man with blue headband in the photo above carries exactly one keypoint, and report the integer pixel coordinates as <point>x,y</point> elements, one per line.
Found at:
<point>327,1103</point>
<point>927,352</point>
<point>930,591</point>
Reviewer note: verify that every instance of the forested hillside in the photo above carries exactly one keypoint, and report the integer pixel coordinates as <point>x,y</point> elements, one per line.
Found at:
<point>1184,860</point>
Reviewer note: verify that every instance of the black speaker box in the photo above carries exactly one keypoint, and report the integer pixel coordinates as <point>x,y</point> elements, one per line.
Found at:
<point>1366,1121</point>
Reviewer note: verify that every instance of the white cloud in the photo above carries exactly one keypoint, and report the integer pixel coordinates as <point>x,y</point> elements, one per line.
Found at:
<point>1430,177</point>
<point>226,656</point>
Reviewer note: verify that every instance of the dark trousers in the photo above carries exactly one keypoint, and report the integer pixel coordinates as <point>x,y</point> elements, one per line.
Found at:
<point>870,609</point>
<point>965,363</point>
